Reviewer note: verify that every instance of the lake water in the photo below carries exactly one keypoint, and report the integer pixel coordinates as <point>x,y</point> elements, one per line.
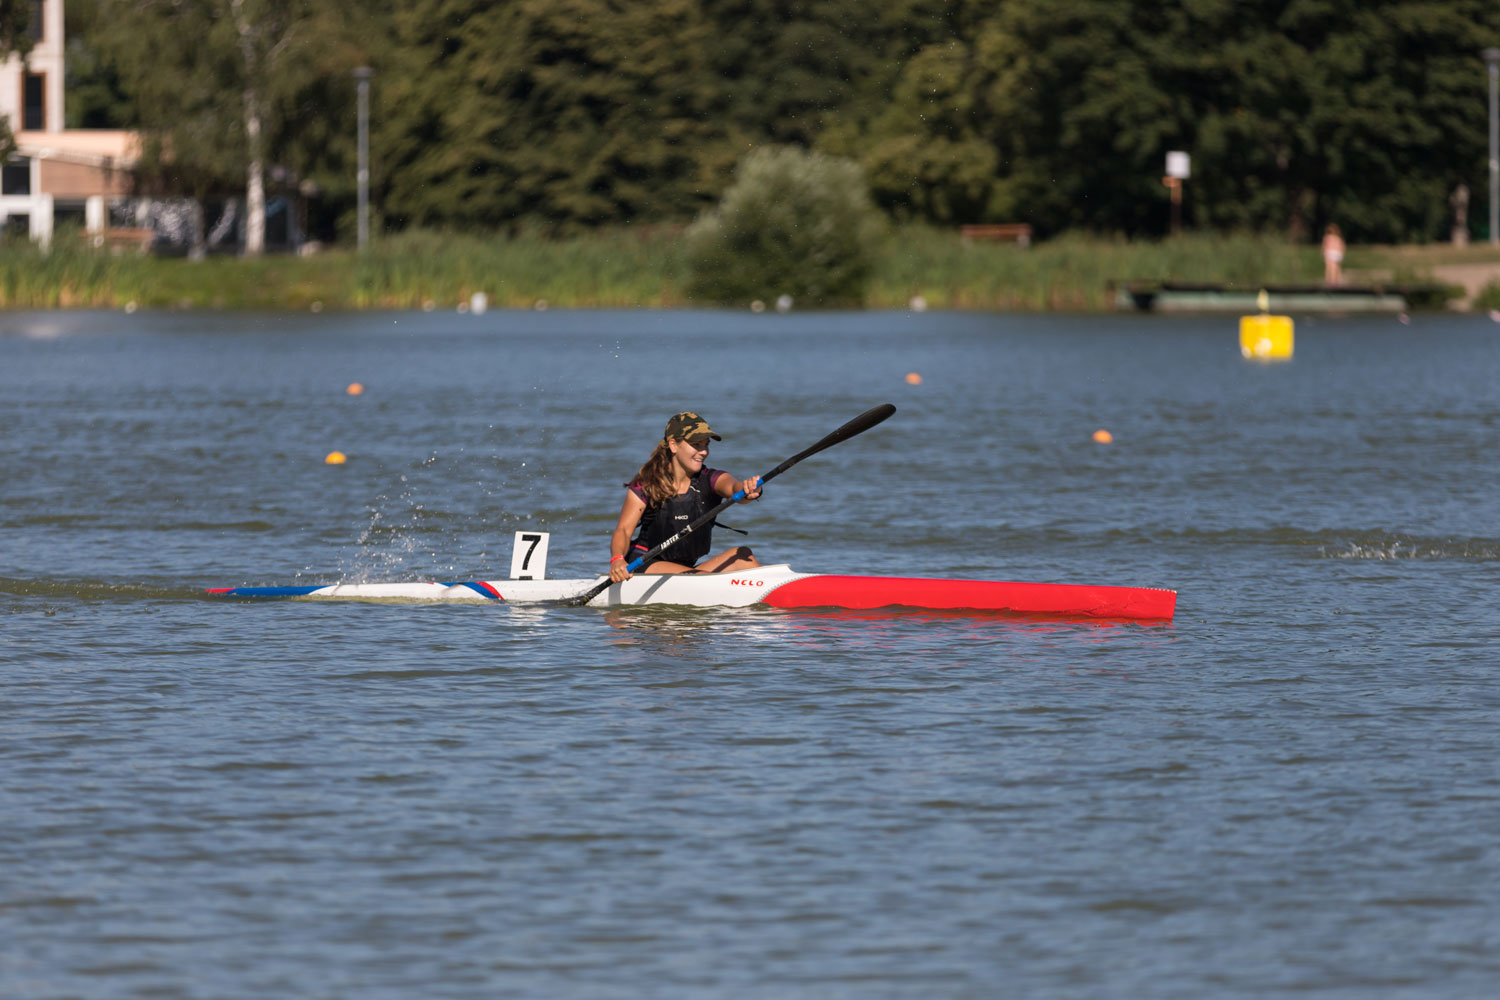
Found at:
<point>1292,788</point>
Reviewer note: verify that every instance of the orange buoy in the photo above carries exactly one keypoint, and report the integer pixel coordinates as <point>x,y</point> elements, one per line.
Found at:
<point>355,389</point>
<point>336,458</point>
<point>1103,436</point>
<point>912,378</point>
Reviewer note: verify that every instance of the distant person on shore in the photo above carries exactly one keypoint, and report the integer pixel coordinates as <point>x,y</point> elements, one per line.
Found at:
<point>673,489</point>
<point>1333,256</point>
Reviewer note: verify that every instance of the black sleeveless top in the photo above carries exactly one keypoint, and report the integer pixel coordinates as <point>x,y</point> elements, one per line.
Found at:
<point>661,521</point>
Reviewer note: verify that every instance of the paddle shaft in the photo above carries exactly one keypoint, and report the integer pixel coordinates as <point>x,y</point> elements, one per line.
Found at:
<point>858,425</point>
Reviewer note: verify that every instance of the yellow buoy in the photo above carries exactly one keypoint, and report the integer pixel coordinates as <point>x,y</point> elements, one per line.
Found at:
<point>1266,338</point>
<point>336,458</point>
<point>1103,436</point>
<point>912,378</point>
<point>355,389</point>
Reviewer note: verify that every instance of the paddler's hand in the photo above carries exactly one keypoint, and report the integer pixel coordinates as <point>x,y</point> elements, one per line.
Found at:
<point>751,487</point>
<point>618,573</point>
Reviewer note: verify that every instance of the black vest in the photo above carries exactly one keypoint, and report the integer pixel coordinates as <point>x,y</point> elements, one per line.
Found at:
<point>661,521</point>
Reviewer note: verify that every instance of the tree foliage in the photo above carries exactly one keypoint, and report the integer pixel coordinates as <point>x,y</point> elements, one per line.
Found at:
<point>1296,112</point>
<point>927,156</point>
<point>96,96</point>
<point>15,20</point>
<point>560,114</point>
<point>792,71</point>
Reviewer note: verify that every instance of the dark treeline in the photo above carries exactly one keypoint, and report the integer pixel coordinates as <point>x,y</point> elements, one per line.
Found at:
<point>557,115</point>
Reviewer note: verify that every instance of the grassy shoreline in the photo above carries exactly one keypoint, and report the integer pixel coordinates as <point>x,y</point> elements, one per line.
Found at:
<point>644,268</point>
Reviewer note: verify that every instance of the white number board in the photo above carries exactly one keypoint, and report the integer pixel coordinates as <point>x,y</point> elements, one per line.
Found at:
<point>529,560</point>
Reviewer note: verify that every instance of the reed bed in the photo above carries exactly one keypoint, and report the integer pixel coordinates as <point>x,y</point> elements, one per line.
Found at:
<point>74,275</point>
<point>631,268</point>
<point>1072,273</point>
<point>71,276</point>
<point>615,268</point>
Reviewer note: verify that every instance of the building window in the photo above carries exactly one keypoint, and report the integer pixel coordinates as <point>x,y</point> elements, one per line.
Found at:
<point>34,114</point>
<point>34,26</point>
<point>69,215</point>
<point>17,226</point>
<point>15,177</point>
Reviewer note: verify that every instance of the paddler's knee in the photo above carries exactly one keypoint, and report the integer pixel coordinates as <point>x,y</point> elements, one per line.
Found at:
<point>743,554</point>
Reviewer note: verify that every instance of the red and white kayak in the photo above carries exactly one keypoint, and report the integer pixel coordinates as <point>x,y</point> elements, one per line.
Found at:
<point>778,586</point>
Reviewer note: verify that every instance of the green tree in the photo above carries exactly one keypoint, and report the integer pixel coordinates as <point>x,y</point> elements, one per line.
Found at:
<point>571,113</point>
<point>587,112</point>
<point>15,38</point>
<point>96,96</point>
<point>15,25</point>
<point>786,71</point>
<point>1367,114</point>
<point>928,157</point>
<point>818,73</point>
<point>793,223</point>
<point>564,112</point>
<point>215,84</point>
<point>1077,120</point>
<point>1364,111</point>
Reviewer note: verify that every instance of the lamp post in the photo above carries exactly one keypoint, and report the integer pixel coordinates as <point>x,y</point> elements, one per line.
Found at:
<point>362,75</point>
<point>1492,57</point>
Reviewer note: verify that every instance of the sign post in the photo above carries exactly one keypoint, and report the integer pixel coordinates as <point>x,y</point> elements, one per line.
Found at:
<point>1179,169</point>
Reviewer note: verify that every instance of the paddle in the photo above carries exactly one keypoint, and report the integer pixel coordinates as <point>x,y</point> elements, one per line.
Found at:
<point>858,425</point>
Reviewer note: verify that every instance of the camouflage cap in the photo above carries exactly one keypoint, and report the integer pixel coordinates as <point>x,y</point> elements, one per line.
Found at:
<point>688,426</point>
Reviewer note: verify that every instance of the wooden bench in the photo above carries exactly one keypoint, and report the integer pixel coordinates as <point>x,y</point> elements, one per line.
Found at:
<point>1018,233</point>
<point>118,239</point>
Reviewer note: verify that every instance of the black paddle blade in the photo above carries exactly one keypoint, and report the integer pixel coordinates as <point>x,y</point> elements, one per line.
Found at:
<point>579,600</point>
<point>859,424</point>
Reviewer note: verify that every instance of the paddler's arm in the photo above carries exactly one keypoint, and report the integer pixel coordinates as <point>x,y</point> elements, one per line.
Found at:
<point>727,486</point>
<point>619,543</point>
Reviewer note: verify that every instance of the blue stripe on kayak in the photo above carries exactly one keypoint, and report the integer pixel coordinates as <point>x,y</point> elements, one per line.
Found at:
<point>482,589</point>
<point>269,591</point>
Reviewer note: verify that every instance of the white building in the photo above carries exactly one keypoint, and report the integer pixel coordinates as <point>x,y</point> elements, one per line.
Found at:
<point>57,175</point>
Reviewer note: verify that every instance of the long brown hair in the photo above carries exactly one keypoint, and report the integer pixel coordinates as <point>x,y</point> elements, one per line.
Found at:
<point>655,476</point>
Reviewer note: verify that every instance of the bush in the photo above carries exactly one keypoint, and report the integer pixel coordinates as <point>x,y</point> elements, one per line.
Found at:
<point>793,223</point>
<point>1488,297</point>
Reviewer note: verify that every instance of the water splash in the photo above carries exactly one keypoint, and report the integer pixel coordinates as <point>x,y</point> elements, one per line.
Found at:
<point>1382,547</point>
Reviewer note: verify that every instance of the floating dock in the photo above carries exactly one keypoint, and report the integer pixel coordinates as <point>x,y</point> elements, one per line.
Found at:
<point>1183,296</point>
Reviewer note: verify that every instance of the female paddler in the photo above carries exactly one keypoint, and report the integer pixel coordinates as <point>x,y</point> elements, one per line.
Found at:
<point>673,489</point>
